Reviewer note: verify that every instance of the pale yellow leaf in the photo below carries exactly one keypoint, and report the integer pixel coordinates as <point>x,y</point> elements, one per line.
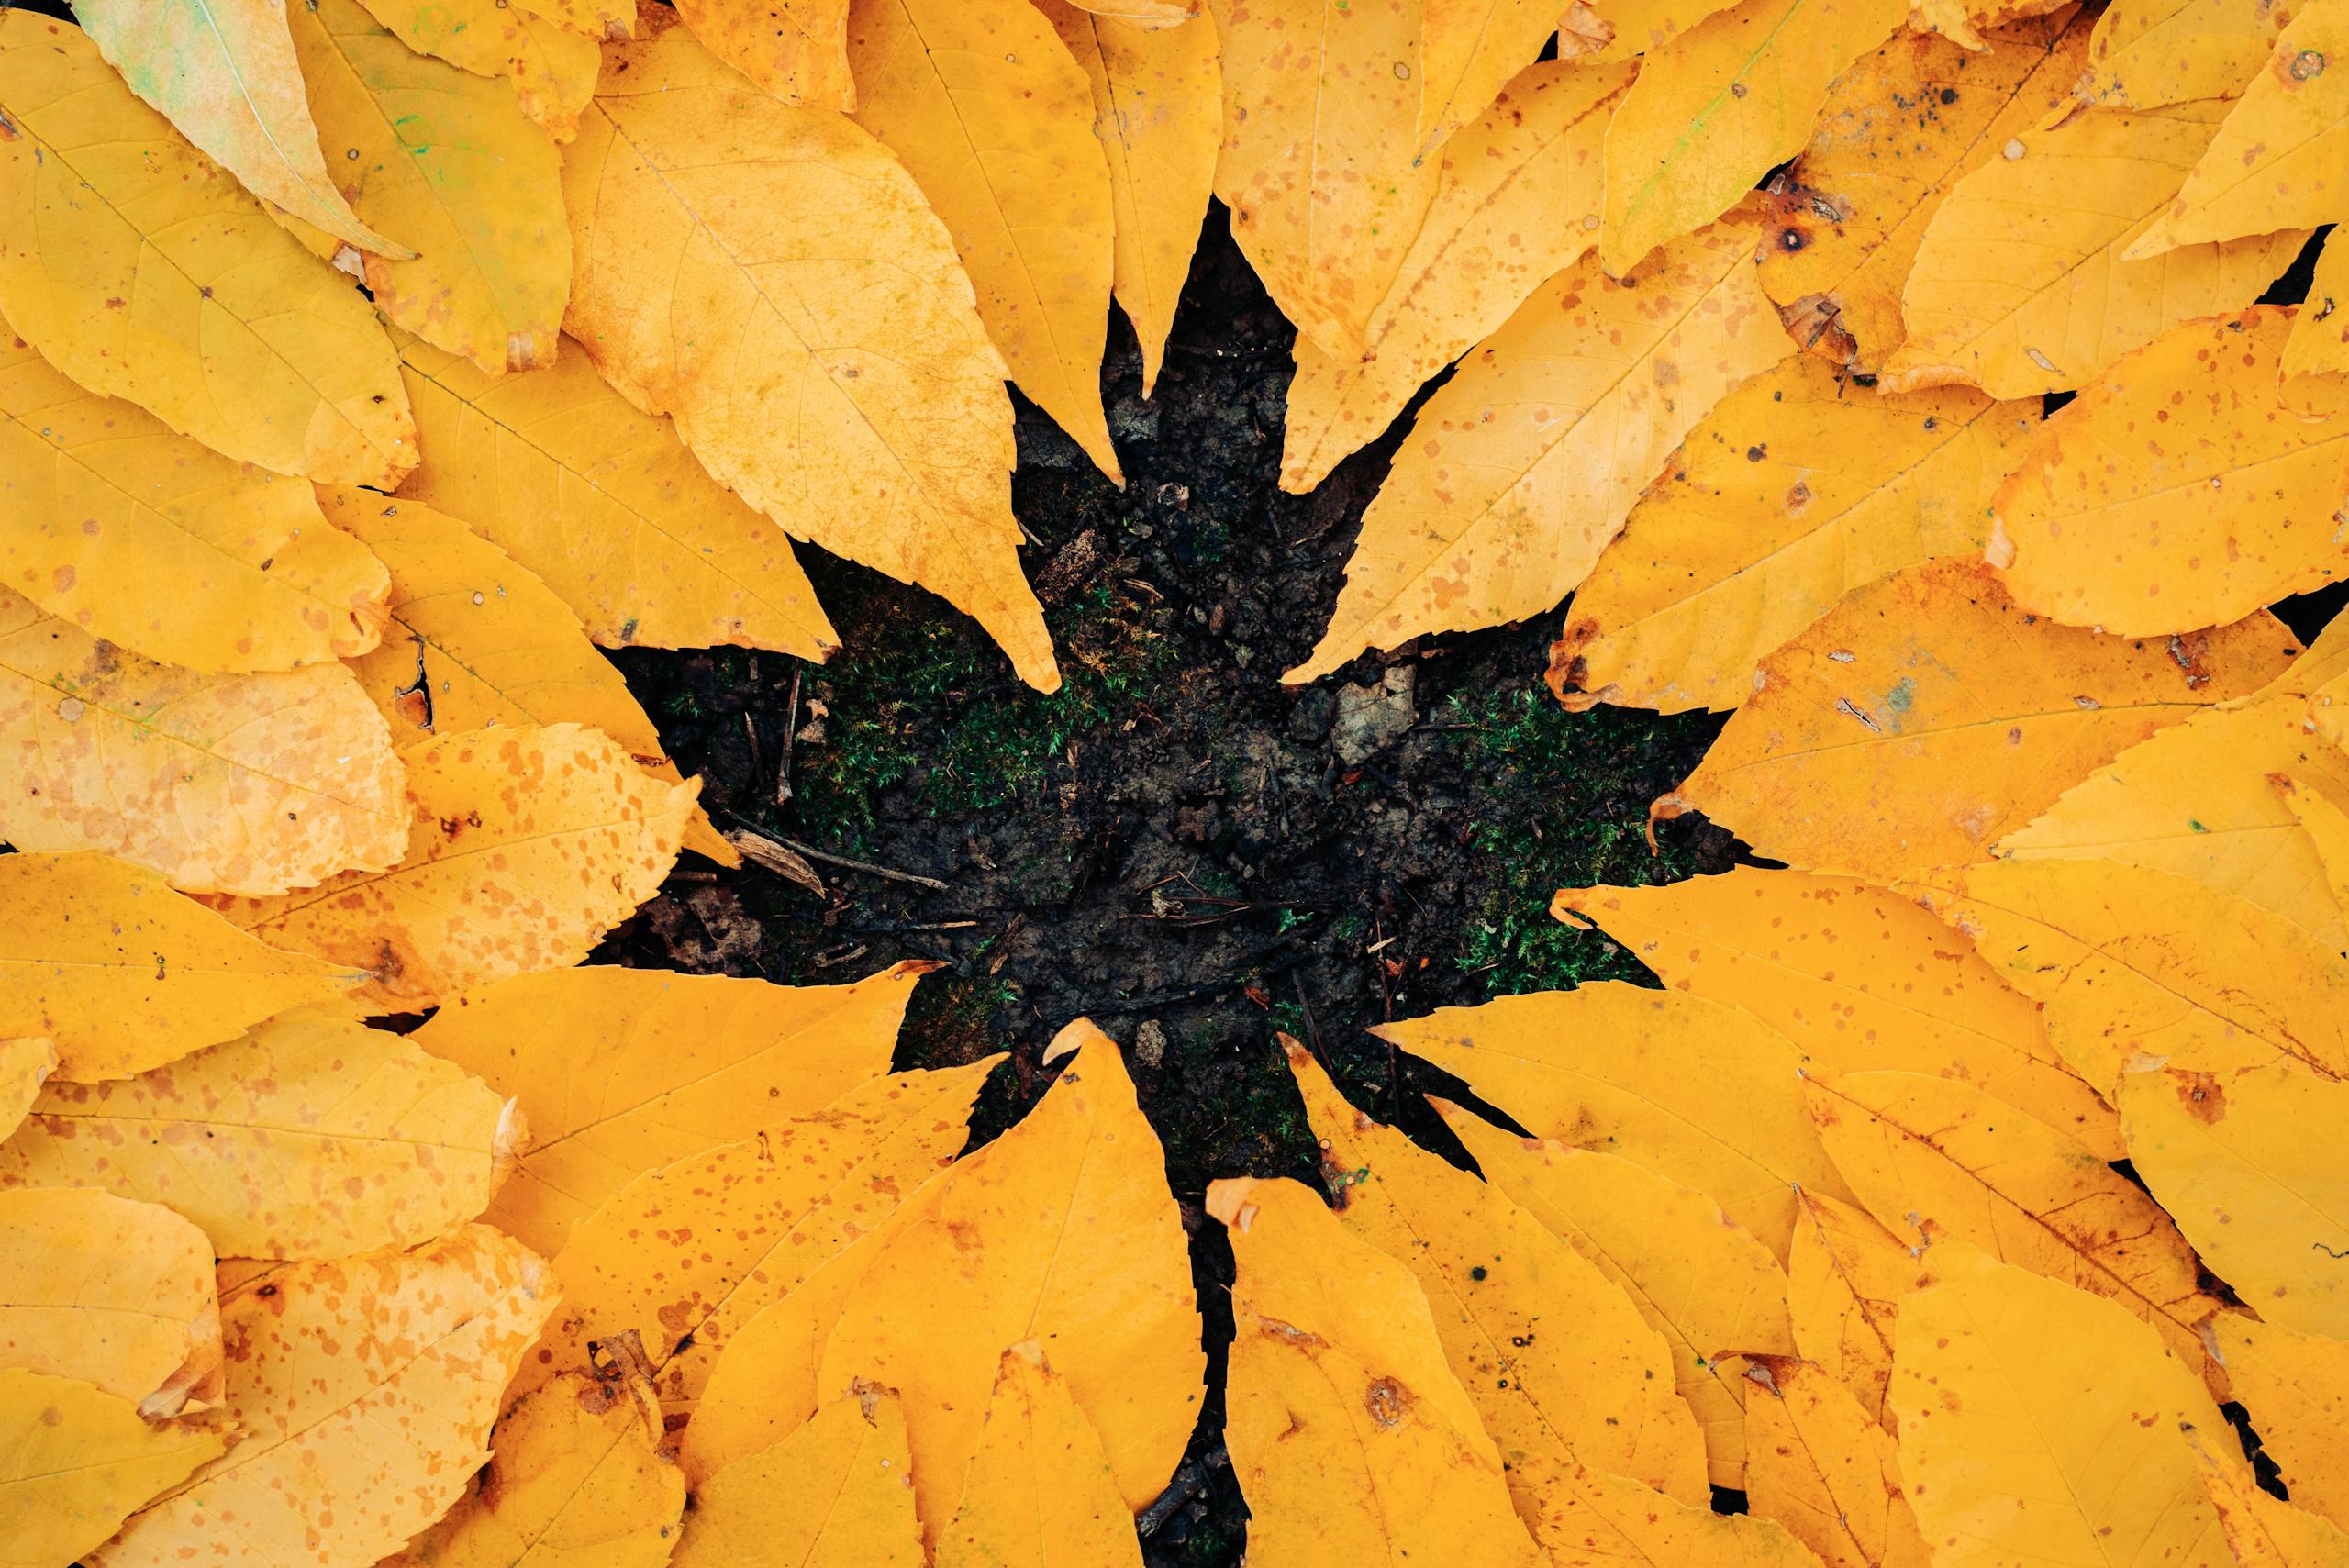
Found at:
<point>1824,1469</point>
<point>25,1064</point>
<point>74,1461</point>
<point>552,68</point>
<point>2295,1388</point>
<point>1040,1494</point>
<point>2319,345</point>
<point>115,1293</point>
<point>797,50</point>
<point>2264,1531</point>
<point>1469,49</point>
<point>2151,52</point>
<point>1843,1289</point>
<point>835,1493</point>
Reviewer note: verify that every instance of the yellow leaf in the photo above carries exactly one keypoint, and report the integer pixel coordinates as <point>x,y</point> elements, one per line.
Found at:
<point>364,1390</point>
<point>552,69</point>
<point>873,422</point>
<point>1321,112</point>
<point>1062,1231</point>
<point>25,1064</point>
<point>600,500</point>
<point>1698,1279</point>
<point>2251,1164</point>
<point>163,546</point>
<point>1932,1158</point>
<point>1619,30</point>
<point>1516,200</point>
<point>2278,160</point>
<point>238,337</point>
<point>1855,976</point>
<point>1156,14</point>
<point>1469,49</point>
<point>685,1254</point>
<point>2264,1531</point>
<point>311,1137</point>
<point>526,846</point>
<point>1900,127</point>
<point>1558,1361</point>
<point>1843,1289</point>
<point>797,50</point>
<point>578,1479</point>
<point>1522,467</point>
<point>2319,345</point>
<point>124,974</point>
<point>2094,541</point>
<point>115,1293</point>
<point>1040,1492</point>
<point>1716,107</point>
<point>2295,1387</point>
<point>2130,962</point>
<point>1157,108</point>
<point>1795,489</point>
<point>982,103</point>
<point>1702,1093</point>
<point>833,1494</point>
<point>74,1461</point>
<point>481,642</point>
<point>2320,805</point>
<point>226,75</point>
<point>1822,1468</point>
<point>2021,286</point>
<point>1351,1440</point>
<point>1963,21</point>
<point>597,20</point>
<point>621,1070</point>
<point>243,784</point>
<point>1925,716</point>
<point>2151,52</point>
<point>2039,1423</point>
<point>446,158</point>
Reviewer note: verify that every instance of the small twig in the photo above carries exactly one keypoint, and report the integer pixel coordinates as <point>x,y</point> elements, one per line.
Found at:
<point>900,931</point>
<point>768,855</point>
<point>1312,1029</point>
<point>790,733</point>
<point>829,859</point>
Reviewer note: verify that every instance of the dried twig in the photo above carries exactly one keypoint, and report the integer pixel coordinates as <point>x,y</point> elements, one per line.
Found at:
<point>829,859</point>
<point>768,855</point>
<point>790,733</point>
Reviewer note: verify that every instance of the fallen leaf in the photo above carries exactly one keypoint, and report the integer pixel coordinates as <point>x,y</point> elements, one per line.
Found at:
<point>797,50</point>
<point>1823,1469</point>
<point>2296,1386</point>
<point>1716,107</point>
<point>364,1390</point>
<point>875,424</point>
<point>25,1064</point>
<point>116,1294</point>
<point>74,1461</point>
<point>1963,22</point>
<point>2151,52</point>
<point>2264,1531</point>
<point>311,1137</point>
<point>1698,1279</point>
<point>238,784</point>
<point>1933,1159</point>
<point>550,68</point>
<point>1925,716</point>
<point>1857,977</point>
<point>1469,50</point>
<point>1845,1283</point>
<point>1157,109</point>
<point>1040,1494</point>
<point>446,158</point>
<point>836,1494</point>
<point>2020,287</point>
<point>1796,488</point>
<point>619,1071</point>
<point>1694,1091</point>
<point>1516,201</point>
<point>1619,29</point>
<point>1349,1434</point>
<point>2319,345</point>
<point>1500,1287</point>
<point>984,106</point>
<point>597,20</point>
<point>242,338</point>
<point>225,73</point>
<point>2321,805</point>
<point>526,845</point>
<point>2038,1423</point>
<point>1522,467</point>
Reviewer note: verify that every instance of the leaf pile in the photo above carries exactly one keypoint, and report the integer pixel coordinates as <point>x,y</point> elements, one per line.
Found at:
<point>369,363</point>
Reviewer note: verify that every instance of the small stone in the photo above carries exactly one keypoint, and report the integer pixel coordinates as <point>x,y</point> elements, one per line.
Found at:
<point>1373,716</point>
<point>1149,1043</point>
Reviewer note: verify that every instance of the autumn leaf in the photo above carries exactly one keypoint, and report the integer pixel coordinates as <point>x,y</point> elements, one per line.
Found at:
<point>447,158</point>
<point>2264,1531</point>
<point>833,1494</point>
<point>116,1294</point>
<point>525,847</point>
<point>1495,1278</point>
<point>1619,30</point>
<point>1844,1282</point>
<point>226,75</point>
<point>1823,1469</point>
<point>1516,201</point>
<point>2151,52</point>
<point>1796,488</point>
<point>2020,288</point>
<point>1694,1091</point>
<point>1039,1484</point>
<point>1157,109</point>
<point>1857,977</point>
<point>2319,345</point>
<point>1900,127</point>
<point>1522,467</point>
<point>1469,50</point>
<point>1351,1438</point>
<point>875,424</point>
<point>1926,715</point>
<point>2300,1385</point>
<point>597,20</point>
<point>619,1071</point>
<point>310,1136</point>
<point>986,107</point>
<point>552,69</point>
<point>75,1460</point>
<point>797,50</point>
<point>25,1064</point>
<point>1963,22</point>
<point>1716,107</point>
<point>364,1390</point>
<point>2040,1422</point>
<point>240,339</point>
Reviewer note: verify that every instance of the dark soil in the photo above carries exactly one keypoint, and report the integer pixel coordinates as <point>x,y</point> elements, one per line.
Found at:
<point>1172,844</point>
